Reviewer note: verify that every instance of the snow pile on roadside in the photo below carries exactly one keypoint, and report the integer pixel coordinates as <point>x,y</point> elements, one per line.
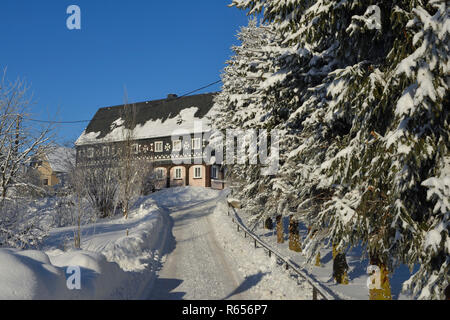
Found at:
<point>29,275</point>
<point>143,243</point>
<point>266,278</point>
<point>112,264</point>
<point>100,279</point>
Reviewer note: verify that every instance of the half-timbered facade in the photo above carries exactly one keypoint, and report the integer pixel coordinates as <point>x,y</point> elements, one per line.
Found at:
<point>156,126</point>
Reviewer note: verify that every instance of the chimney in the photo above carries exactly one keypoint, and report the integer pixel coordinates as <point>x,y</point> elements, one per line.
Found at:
<point>171,96</point>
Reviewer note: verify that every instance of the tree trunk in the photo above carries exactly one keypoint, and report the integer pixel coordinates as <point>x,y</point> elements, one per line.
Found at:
<point>280,231</point>
<point>340,266</point>
<point>294,237</point>
<point>78,234</point>
<point>318,264</point>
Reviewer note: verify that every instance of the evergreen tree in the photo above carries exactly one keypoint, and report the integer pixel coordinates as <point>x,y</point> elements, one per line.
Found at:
<point>359,90</point>
<point>241,106</point>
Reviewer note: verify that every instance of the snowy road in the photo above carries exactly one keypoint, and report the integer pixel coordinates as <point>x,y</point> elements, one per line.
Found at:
<point>206,259</point>
<point>197,268</point>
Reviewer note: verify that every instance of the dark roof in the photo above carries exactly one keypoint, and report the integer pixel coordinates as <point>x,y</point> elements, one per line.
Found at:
<point>150,110</point>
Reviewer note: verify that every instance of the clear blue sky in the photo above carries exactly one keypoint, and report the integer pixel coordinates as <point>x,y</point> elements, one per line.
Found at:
<point>151,47</point>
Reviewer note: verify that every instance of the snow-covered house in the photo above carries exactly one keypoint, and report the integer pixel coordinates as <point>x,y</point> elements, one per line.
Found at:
<point>54,164</point>
<point>153,129</point>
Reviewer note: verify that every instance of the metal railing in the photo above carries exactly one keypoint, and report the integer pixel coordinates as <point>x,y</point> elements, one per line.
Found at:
<point>318,288</point>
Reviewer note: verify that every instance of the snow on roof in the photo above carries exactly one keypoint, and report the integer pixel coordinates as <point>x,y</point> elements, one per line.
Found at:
<point>61,159</point>
<point>157,118</point>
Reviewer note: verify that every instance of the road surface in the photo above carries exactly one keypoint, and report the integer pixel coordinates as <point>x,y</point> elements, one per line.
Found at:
<point>196,267</point>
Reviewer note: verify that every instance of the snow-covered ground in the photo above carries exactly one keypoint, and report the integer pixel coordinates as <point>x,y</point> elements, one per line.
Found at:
<point>264,277</point>
<point>176,244</point>
<point>113,265</point>
<point>357,286</point>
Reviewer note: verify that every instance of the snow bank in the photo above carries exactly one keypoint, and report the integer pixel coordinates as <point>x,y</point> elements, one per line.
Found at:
<point>113,265</point>
<point>266,278</point>
<point>135,251</point>
<point>100,279</point>
<point>29,275</point>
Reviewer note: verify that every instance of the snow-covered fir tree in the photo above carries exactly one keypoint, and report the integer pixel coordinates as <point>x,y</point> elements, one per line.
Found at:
<point>359,91</point>
<point>241,105</point>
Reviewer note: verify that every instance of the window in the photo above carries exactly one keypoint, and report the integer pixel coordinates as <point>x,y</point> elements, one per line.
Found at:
<point>158,146</point>
<point>106,151</point>
<point>45,182</point>
<point>160,173</point>
<point>214,172</point>
<point>178,173</point>
<point>90,152</point>
<point>176,145</point>
<point>196,144</point>
<point>135,148</point>
<point>197,172</point>
<point>36,164</point>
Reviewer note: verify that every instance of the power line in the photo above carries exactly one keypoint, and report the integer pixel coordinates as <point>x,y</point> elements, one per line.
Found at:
<point>85,121</point>
<point>209,85</point>
<point>57,122</point>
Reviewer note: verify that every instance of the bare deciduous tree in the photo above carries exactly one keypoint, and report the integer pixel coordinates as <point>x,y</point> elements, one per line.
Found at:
<point>77,178</point>
<point>114,175</point>
<point>100,185</point>
<point>133,172</point>
<point>128,172</point>
<point>19,138</point>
